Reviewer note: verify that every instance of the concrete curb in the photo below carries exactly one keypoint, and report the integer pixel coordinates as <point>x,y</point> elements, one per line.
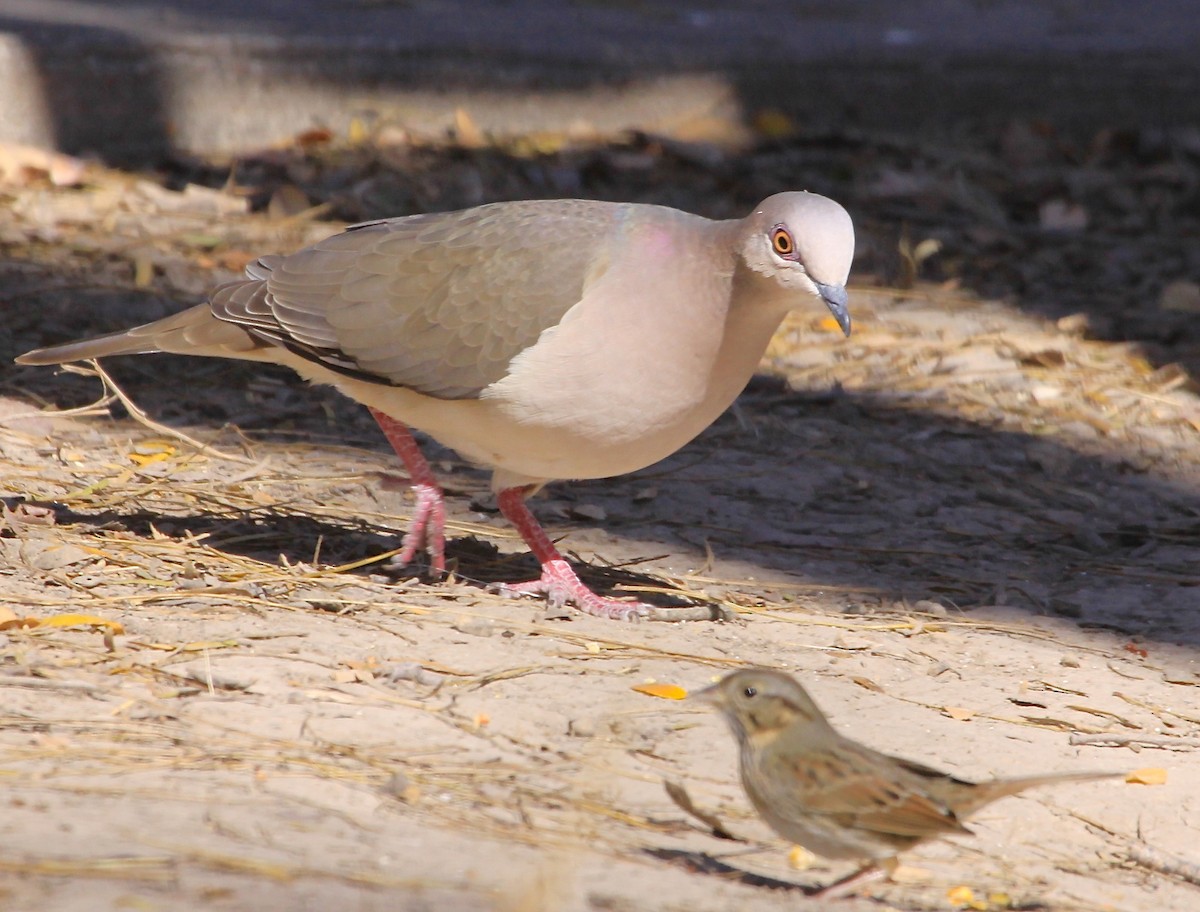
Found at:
<point>130,82</point>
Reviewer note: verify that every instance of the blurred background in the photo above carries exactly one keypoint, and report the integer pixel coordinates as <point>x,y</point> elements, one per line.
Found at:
<point>1046,150</point>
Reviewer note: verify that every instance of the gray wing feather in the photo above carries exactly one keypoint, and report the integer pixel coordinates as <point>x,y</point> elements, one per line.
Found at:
<point>439,303</point>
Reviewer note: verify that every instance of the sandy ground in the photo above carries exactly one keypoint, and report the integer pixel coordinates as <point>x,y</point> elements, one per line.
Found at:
<point>972,532</point>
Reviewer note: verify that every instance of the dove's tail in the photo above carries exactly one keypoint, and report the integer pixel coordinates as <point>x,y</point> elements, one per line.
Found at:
<point>195,331</point>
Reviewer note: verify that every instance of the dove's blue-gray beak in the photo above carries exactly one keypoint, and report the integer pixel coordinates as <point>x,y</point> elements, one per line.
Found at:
<point>835,298</point>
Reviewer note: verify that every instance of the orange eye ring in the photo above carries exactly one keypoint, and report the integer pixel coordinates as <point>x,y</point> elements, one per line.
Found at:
<point>782,242</point>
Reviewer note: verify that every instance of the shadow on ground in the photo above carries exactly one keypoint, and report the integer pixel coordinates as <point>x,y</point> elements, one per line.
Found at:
<point>855,498</point>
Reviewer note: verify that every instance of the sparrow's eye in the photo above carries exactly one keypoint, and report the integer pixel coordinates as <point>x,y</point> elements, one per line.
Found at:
<point>750,692</point>
<point>782,241</point>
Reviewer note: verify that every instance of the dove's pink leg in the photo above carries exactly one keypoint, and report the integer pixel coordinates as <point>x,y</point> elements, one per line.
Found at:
<point>427,530</point>
<point>558,582</point>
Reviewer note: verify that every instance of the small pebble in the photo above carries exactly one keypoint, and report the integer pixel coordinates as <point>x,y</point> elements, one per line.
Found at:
<point>581,728</point>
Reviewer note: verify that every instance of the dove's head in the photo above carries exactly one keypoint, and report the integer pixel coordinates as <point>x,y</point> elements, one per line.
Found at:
<point>761,704</point>
<point>805,242</point>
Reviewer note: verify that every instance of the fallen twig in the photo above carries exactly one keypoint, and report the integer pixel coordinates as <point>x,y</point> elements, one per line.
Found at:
<point>142,418</point>
<point>678,794</point>
<point>1156,860</point>
<point>46,683</point>
<point>1136,741</point>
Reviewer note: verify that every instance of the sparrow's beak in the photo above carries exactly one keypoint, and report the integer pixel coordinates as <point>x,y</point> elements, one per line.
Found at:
<point>713,695</point>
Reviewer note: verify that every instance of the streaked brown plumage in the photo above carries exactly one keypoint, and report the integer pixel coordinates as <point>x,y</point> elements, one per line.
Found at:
<point>834,796</point>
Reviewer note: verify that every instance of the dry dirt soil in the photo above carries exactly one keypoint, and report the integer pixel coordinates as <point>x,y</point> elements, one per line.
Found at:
<point>972,529</point>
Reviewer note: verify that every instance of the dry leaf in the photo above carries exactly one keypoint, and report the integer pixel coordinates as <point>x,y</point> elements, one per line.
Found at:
<point>357,132</point>
<point>143,271</point>
<point>963,897</point>
<point>152,451</point>
<point>533,144</point>
<point>466,131</point>
<point>14,622</point>
<point>1048,357</point>
<point>1148,775</point>
<point>831,325</point>
<point>801,858</point>
<point>147,447</point>
<point>866,683</point>
<point>960,713</point>
<point>142,461</point>
<point>664,691</point>
<point>80,620</point>
<point>315,137</point>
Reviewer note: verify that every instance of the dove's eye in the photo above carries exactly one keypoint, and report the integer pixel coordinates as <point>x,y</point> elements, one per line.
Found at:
<point>782,242</point>
<point>750,692</point>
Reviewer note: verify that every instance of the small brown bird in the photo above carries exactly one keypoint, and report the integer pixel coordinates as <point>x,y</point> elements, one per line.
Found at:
<point>836,797</point>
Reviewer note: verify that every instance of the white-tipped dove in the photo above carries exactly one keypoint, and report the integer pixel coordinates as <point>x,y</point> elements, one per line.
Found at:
<point>545,339</point>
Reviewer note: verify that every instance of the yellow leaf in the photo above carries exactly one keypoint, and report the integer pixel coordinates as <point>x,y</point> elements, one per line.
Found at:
<point>143,271</point>
<point>358,132</point>
<point>1148,775</point>
<point>466,131</point>
<point>155,445</point>
<point>832,325</point>
<point>80,620</point>
<point>801,858</point>
<point>540,144</point>
<point>961,896</point>
<point>1140,365</point>
<point>665,691</point>
<point>143,460</point>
